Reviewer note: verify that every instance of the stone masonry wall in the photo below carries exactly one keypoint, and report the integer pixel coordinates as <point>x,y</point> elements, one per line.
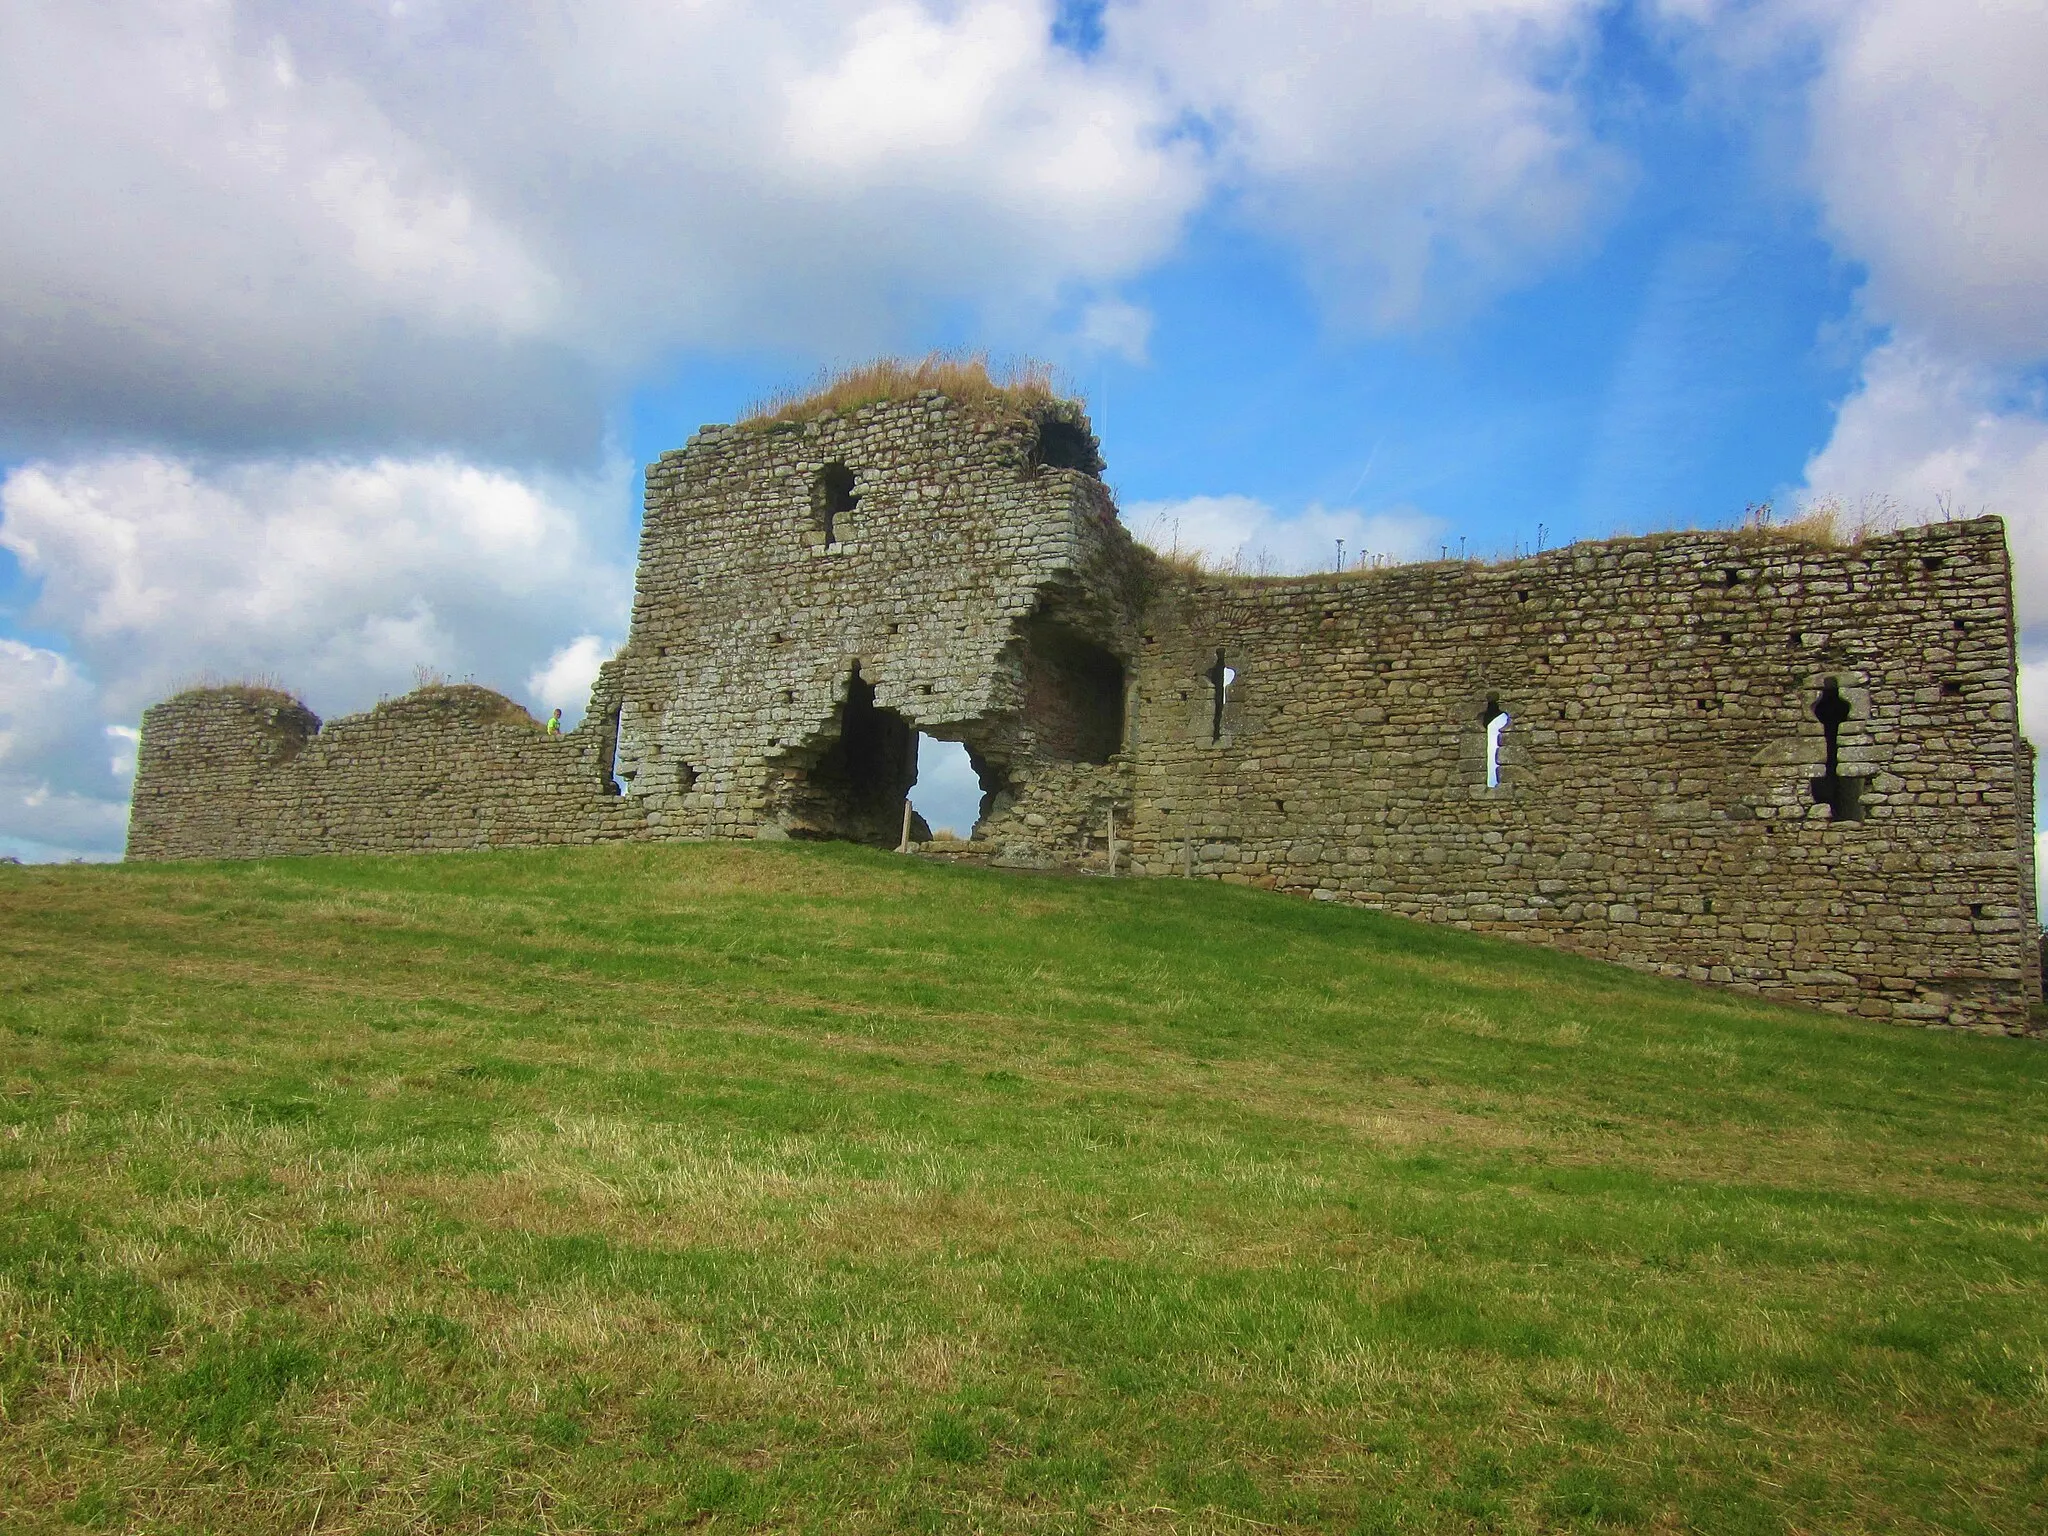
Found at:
<point>1656,801</point>
<point>749,622</point>
<point>249,773</point>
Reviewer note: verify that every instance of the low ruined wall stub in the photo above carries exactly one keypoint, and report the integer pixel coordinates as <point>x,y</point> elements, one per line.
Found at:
<point>443,768</point>
<point>1656,803</point>
<point>199,765</point>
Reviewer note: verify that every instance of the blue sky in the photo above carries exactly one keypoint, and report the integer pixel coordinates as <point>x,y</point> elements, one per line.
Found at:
<point>1683,363</point>
<point>333,337</point>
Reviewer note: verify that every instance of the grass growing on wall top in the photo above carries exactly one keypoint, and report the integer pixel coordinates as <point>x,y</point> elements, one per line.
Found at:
<point>964,379</point>
<point>261,689</point>
<point>809,1188</point>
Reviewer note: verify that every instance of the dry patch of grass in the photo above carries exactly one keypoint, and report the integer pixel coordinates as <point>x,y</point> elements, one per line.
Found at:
<point>963,378</point>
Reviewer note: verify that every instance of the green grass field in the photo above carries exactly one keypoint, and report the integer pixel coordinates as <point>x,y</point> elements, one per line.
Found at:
<point>809,1188</point>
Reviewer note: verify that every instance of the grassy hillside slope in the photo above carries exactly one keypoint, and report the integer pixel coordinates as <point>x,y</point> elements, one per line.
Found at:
<point>637,1189</point>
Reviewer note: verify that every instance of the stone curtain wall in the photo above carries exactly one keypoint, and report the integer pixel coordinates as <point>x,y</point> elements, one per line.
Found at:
<point>248,773</point>
<point>812,595</point>
<point>1656,803</point>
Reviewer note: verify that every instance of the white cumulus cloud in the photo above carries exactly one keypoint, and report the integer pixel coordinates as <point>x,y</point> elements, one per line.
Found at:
<point>61,794</point>
<point>1930,153</point>
<point>1421,154</point>
<point>1119,328</point>
<point>1928,434</point>
<point>265,225</point>
<point>341,578</point>
<point>258,224</point>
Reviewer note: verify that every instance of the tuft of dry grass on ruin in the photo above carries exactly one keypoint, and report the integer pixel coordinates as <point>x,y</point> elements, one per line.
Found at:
<point>1194,564</point>
<point>965,379</point>
<point>1827,522</point>
<point>257,687</point>
<point>1161,539</point>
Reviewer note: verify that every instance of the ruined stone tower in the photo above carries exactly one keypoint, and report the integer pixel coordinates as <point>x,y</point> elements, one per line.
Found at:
<point>813,595</point>
<point>1748,758</point>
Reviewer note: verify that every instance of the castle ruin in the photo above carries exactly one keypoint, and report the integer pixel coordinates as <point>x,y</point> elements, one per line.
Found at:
<point>1744,758</point>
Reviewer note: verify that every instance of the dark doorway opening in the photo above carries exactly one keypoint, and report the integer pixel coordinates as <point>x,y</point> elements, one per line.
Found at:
<point>1841,793</point>
<point>608,752</point>
<point>857,788</point>
<point>1073,695</point>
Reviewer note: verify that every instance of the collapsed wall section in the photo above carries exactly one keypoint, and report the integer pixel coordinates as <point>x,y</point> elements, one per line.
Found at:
<point>1790,768</point>
<point>251,773</point>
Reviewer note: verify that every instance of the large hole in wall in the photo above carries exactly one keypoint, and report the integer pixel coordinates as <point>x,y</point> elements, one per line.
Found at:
<point>857,788</point>
<point>957,788</point>
<point>1062,445</point>
<point>1073,695</point>
<point>948,793</point>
